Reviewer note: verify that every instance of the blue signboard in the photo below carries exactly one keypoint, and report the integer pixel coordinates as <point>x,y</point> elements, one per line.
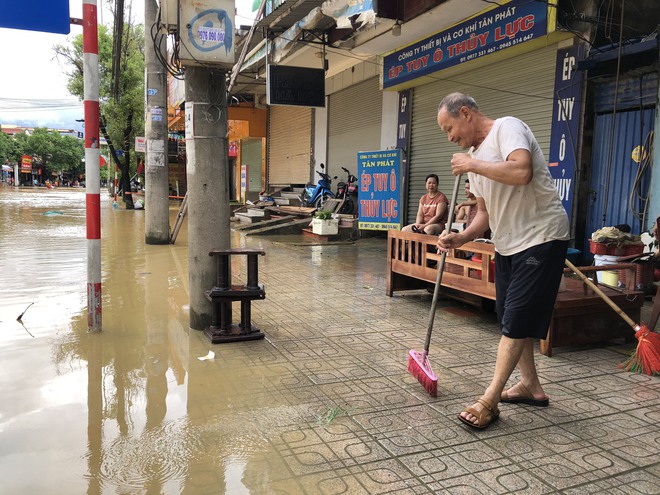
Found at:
<point>565,120</point>
<point>403,135</point>
<point>497,29</point>
<point>49,16</point>
<point>380,192</point>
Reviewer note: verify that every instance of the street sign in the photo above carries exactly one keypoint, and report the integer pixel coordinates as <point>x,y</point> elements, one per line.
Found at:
<point>49,16</point>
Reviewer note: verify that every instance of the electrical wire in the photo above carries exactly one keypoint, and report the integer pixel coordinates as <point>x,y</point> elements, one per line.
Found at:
<point>616,96</point>
<point>646,162</point>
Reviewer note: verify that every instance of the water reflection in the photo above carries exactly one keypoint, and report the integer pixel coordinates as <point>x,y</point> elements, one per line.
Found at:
<point>132,409</point>
<point>125,390</point>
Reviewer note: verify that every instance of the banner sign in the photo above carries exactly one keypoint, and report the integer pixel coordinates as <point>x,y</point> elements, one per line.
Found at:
<point>403,136</point>
<point>26,164</point>
<point>245,182</point>
<point>496,30</point>
<point>565,120</point>
<point>140,144</point>
<point>380,192</point>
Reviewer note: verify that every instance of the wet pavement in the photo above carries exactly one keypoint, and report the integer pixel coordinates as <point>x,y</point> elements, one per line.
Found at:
<point>322,405</point>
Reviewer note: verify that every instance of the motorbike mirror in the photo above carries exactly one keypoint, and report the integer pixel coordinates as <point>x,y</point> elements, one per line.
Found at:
<point>322,166</point>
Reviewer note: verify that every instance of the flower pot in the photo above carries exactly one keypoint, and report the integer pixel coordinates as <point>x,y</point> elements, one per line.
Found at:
<point>325,227</point>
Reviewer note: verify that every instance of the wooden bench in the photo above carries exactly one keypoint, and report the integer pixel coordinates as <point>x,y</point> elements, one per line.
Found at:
<point>580,315</point>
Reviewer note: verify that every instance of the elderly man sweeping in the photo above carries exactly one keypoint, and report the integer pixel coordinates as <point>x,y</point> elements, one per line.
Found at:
<point>516,197</point>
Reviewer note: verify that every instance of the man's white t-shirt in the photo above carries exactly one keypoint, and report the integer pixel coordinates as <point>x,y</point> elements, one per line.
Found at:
<point>520,216</point>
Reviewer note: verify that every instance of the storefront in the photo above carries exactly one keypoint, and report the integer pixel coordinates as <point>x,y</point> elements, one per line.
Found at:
<point>504,58</point>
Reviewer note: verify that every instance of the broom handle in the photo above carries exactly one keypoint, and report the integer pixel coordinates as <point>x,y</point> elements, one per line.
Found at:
<point>595,288</point>
<point>441,265</point>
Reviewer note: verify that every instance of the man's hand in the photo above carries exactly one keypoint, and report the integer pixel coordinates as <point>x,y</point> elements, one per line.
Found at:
<point>460,163</point>
<point>450,241</point>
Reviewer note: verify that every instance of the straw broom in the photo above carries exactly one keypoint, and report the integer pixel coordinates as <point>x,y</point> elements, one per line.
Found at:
<point>646,357</point>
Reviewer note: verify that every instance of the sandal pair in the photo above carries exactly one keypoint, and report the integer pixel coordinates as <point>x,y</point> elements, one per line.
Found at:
<point>485,417</point>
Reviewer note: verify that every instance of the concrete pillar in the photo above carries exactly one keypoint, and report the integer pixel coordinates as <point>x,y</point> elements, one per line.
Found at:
<point>208,195</point>
<point>157,212</point>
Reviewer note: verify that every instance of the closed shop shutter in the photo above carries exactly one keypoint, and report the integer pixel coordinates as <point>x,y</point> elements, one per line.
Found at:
<point>289,145</point>
<point>354,120</point>
<point>521,87</point>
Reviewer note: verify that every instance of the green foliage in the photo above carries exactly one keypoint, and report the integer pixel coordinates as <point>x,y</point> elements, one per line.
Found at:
<point>124,112</point>
<point>323,215</point>
<point>8,148</point>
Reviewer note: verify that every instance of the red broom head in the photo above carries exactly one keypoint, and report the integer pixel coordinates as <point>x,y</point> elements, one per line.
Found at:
<point>420,367</point>
<point>646,357</point>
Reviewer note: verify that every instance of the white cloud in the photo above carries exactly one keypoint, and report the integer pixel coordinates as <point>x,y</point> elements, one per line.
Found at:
<point>30,70</point>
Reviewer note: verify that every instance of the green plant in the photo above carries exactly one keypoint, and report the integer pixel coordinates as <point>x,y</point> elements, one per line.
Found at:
<point>328,416</point>
<point>323,215</point>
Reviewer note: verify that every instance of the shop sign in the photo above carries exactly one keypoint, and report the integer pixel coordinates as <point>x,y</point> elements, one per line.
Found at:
<point>26,164</point>
<point>565,120</point>
<point>140,144</point>
<point>379,175</point>
<point>245,182</point>
<point>496,30</point>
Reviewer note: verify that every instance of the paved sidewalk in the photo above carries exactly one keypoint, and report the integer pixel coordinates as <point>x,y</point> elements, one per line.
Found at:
<point>322,406</point>
<point>336,350</point>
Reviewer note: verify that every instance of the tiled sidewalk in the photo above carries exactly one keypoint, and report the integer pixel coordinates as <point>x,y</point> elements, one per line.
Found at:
<point>350,419</point>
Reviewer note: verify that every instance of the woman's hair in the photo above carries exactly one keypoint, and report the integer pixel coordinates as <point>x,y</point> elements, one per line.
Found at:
<point>453,102</point>
<point>437,181</point>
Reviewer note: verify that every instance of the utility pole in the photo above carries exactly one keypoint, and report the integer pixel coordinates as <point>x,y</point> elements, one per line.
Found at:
<point>157,212</point>
<point>208,195</point>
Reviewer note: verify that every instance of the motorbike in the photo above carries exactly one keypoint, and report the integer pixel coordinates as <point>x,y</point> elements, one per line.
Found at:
<point>348,193</point>
<point>317,195</point>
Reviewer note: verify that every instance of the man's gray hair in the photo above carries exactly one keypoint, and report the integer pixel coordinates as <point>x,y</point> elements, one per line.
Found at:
<point>453,102</point>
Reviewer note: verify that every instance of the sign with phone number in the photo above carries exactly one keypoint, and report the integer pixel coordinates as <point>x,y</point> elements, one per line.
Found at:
<point>380,191</point>
<point>497,29</point>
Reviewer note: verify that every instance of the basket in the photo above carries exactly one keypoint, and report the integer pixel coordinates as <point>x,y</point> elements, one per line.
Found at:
<point>644,271</point>
<point>614,249</point>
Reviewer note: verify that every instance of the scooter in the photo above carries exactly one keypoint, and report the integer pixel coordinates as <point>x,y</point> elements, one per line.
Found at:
<point>348,193</point>
<point>317,195</point>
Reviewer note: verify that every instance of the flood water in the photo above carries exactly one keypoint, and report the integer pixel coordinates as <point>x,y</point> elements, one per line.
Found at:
<point>131,409</point>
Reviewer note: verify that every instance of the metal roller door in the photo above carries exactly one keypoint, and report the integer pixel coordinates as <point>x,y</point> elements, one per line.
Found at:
<point>354,120</point>
<point>521,87</point>
<point>289,145</point>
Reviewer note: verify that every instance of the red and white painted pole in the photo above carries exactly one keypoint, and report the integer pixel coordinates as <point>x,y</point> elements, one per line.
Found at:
<point>114,200</point>
<point>92,163</point>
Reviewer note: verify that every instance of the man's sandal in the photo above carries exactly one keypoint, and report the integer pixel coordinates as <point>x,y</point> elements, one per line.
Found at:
<point>526,397</point>
<point>485,417</point>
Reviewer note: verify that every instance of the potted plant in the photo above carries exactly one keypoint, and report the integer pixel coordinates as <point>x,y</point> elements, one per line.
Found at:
<point>324,224</point>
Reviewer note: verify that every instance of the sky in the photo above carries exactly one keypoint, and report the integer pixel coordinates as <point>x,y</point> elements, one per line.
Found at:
<point>32,82</point>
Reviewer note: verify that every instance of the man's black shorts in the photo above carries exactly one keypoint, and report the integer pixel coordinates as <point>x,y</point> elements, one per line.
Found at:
<point>526,285</point>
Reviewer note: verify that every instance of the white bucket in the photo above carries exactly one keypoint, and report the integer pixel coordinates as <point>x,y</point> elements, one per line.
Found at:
<point>606,277</point>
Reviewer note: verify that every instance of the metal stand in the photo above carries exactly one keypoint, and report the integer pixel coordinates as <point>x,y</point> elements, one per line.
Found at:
<point>223,294</point>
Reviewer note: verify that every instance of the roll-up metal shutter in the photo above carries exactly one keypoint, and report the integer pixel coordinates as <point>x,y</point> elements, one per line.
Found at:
<point>289,145</point>
<point>354,120</point>
<point>521,87</point>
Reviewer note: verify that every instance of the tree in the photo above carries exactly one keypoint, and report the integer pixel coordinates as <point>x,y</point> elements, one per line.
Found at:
<point>41,145</point>
<point>68,155</point>
<point>11,147</point>
<point>122,111</point>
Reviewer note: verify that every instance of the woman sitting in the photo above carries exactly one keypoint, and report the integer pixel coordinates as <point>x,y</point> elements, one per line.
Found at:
<point>432,212</point>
